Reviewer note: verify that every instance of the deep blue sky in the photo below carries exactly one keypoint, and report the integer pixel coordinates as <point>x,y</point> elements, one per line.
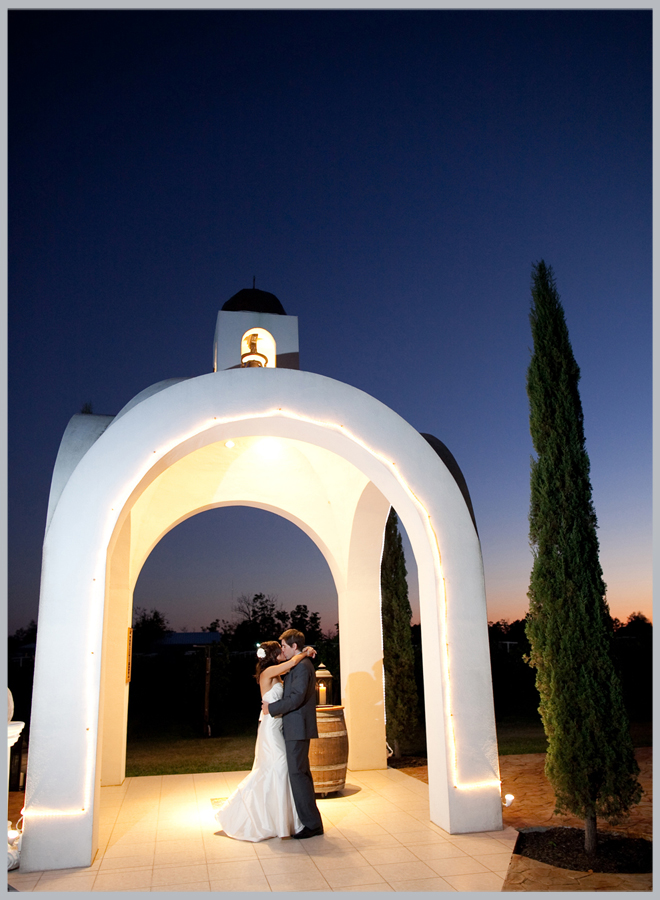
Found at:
<point>391,177</point>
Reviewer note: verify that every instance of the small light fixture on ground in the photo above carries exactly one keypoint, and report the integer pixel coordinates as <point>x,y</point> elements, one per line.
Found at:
<point>508,799</point>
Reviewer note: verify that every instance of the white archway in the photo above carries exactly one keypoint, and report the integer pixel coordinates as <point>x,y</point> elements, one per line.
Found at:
<point>339,460</point>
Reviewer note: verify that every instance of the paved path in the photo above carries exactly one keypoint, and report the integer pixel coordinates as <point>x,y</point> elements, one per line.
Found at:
<point>159,833</point>
<point>379,837</point>
<point>534,804</point>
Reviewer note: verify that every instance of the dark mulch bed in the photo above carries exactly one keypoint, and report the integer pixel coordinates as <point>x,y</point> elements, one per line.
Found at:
<point>564,848</point>
<point>407,762</point>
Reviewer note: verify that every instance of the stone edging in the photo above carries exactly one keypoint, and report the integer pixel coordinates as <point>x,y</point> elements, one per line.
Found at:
<point>526,874</point>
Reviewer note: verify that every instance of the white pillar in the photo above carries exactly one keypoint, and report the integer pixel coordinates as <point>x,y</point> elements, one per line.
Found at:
<point>361,636</point>
<point>114,687</point>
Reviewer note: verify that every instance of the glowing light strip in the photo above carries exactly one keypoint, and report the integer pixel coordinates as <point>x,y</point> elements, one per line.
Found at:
<point>473,785</point>
<point>51,813</point>
<point>91,700</point>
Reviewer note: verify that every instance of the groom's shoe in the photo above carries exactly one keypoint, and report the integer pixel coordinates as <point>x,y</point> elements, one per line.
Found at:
<point>308,832</point>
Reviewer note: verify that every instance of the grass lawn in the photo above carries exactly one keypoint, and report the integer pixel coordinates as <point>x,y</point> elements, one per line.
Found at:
<point>521,735</point>
<point>517,735</point>
<point>174,755</point>
<point>167,755</point>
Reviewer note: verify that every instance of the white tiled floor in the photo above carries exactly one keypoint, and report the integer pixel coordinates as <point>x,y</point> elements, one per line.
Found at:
<point>158,834</point>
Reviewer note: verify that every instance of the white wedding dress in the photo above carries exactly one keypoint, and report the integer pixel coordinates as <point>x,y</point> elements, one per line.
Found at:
<point>262,806</point>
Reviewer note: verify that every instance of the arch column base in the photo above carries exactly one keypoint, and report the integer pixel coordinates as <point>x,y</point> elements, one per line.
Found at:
<point>58,843</point>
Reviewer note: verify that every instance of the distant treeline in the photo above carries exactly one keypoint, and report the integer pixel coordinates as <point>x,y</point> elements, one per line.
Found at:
<point>167,688</point>
<point>514,687</point>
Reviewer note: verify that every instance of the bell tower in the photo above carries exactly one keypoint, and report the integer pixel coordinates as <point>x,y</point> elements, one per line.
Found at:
<point>253,330</point>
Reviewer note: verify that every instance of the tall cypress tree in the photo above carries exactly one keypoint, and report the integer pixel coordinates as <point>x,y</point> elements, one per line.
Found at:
<point>590,761</point>
<point>398,654</point>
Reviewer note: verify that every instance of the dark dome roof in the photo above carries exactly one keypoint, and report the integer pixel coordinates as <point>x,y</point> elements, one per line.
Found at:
<point>254,300</point>
<point>448,459</point>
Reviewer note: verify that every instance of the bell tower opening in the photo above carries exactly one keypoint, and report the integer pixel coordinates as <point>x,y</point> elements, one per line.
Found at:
<point>258,349</point>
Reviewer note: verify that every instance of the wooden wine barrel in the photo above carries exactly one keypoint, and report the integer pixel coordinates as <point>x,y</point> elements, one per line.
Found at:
<point>328,753</point>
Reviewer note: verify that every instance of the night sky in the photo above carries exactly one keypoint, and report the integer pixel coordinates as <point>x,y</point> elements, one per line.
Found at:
<point>391,177</point>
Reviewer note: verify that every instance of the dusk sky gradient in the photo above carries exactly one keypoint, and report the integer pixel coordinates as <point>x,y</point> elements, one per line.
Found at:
<point>391,177</point>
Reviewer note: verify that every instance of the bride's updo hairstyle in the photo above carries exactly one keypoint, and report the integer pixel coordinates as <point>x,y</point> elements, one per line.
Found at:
<point>271,650</point>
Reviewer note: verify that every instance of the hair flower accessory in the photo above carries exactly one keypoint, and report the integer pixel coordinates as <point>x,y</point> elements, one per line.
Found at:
<point>261,652</point>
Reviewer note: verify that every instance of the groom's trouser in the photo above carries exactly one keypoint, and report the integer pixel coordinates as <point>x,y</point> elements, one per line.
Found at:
<point>302,783</point>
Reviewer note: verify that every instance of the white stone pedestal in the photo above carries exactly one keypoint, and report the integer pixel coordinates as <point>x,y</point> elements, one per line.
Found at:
<point>13,733</point>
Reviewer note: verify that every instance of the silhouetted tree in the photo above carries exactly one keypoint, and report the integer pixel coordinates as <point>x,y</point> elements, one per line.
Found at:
<point>308,623</point>
<point>20,672</point>
<point>259,618</point>
<point>398,656</point>
<point>590,761</point>
<point>416,638</point>
<point>328,654</point>
<point>637,625</point>
<point>633,649</point>
<point>514,691</point>
<point>22,636</point>
<point>148,627</point>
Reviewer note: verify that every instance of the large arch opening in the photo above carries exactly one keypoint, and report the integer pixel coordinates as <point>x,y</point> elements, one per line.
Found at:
<point>226,551</point>
<point>194,578</point>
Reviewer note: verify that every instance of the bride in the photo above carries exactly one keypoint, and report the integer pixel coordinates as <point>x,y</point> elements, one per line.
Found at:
<point>262,806</point>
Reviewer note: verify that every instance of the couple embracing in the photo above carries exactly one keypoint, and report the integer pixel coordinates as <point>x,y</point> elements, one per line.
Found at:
<point>277,797</point>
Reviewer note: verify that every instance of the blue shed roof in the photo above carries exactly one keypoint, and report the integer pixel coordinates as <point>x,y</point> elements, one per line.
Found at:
<point>180,638</point>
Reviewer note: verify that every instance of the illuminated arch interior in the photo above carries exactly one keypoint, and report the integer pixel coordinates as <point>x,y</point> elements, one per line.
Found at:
<point>317,490</point>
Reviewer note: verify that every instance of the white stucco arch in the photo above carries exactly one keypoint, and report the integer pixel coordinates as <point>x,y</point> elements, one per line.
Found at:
<point>344,458</point>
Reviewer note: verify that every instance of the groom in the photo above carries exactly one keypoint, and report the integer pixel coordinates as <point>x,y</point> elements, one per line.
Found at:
<point>298,710</point>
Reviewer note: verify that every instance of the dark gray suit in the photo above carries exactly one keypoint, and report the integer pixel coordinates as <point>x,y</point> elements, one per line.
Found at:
<point>298,710</point>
